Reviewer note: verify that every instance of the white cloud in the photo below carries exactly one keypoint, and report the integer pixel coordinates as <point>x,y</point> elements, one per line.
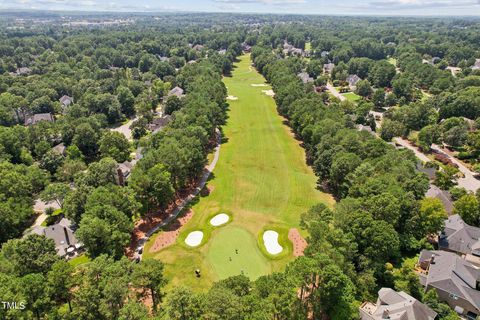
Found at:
<point>268,2</point>
<point>417,4</point>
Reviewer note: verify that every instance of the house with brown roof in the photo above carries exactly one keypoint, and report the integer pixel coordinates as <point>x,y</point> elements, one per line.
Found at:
<point>395,305</point>
<point>159,123</point>
<point>456,280</point>
<point>36,118</point>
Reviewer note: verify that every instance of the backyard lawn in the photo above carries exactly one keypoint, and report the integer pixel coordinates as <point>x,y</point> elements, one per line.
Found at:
<point>261,181</point>
<point>351,96</point>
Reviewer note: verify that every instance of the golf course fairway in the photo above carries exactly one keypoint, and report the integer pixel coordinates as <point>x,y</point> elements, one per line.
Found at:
<point>261,181</point>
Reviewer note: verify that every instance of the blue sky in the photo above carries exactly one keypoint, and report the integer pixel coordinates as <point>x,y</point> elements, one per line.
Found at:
<point>350,7</point>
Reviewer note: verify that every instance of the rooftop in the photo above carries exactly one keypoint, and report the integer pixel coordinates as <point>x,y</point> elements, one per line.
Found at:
<point>395,305</point>
<point>448,272</point>
<point>460,237</point>
<point>61,233</point>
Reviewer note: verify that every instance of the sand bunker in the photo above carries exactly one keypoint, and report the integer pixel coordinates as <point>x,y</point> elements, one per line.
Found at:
<point>270,240</point>
<point>219,219</point>
<point>259,85</point>
<point>232,98</point>
<point>194,238</point>
<point>269,93</point>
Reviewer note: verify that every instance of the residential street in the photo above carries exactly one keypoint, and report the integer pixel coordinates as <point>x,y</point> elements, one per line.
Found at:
<point>405,143</point>
<point>469,182</point>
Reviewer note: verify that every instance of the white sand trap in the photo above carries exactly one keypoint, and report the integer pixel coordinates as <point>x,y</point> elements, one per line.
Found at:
<point>270,240</point>
<point>232,98</point>
<point>219,219</point>
<point>259,85</point>
<point>269,93</point>
<point>194,238</point>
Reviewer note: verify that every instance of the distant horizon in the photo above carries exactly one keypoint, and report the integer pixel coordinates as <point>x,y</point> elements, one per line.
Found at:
<point>151,13</point>
<point>382,8</point>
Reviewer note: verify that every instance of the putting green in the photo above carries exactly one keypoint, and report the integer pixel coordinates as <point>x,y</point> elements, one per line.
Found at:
<point>261,181</point>
<point>234,250</point>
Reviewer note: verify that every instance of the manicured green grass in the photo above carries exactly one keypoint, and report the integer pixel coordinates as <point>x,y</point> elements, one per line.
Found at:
<point>352,96</point>
<point>308,46</point>
<point>81,259</point>
<point>223,257</point>
<point>261,181</point>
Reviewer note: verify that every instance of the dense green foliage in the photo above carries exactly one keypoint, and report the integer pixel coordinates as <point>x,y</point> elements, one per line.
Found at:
<point>120,73</point>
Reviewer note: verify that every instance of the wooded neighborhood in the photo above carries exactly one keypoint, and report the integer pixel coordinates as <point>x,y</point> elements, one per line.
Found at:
<point>239,166</point>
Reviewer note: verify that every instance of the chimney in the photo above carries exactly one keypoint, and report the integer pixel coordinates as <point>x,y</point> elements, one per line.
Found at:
<point>432,259</point>
<point>386,314</point>
<point>121,180</point>
<point>67,239</point>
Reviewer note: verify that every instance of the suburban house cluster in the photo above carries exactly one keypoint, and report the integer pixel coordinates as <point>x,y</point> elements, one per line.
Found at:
<point>290,50</point>
<point>453,272</point>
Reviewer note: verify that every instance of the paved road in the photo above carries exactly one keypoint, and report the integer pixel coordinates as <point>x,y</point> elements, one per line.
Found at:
<point>468,181</point>
<point>208,170</point>
<point>405,143</point>
<point>334,92</point>
<point>125,129</point>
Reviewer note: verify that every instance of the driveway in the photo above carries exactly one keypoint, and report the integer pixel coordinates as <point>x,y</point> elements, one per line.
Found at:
<point>125,129</point>
<point>334,92</point>
<point>468,181</point>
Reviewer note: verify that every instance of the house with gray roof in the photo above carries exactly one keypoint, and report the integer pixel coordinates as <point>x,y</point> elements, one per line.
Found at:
<point>123,171</point>
<point>442,195</point>
<point>352,81</point>
<point>395,305</point>
<point>328,67</point>
<point>66,243</point>
<point>305,77</point>
<point>459,237</point>
<point>60,149</point>
<point>36,118</point>
<point>65,101</point>
<point>456,281</point>
<point>23,71</point>
<point>177,91</point>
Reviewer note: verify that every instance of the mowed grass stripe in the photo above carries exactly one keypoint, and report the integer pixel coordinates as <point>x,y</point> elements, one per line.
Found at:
<point>261,180</point>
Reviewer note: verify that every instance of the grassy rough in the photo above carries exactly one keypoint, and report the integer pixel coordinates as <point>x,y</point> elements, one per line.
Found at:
<point>261,181</point>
